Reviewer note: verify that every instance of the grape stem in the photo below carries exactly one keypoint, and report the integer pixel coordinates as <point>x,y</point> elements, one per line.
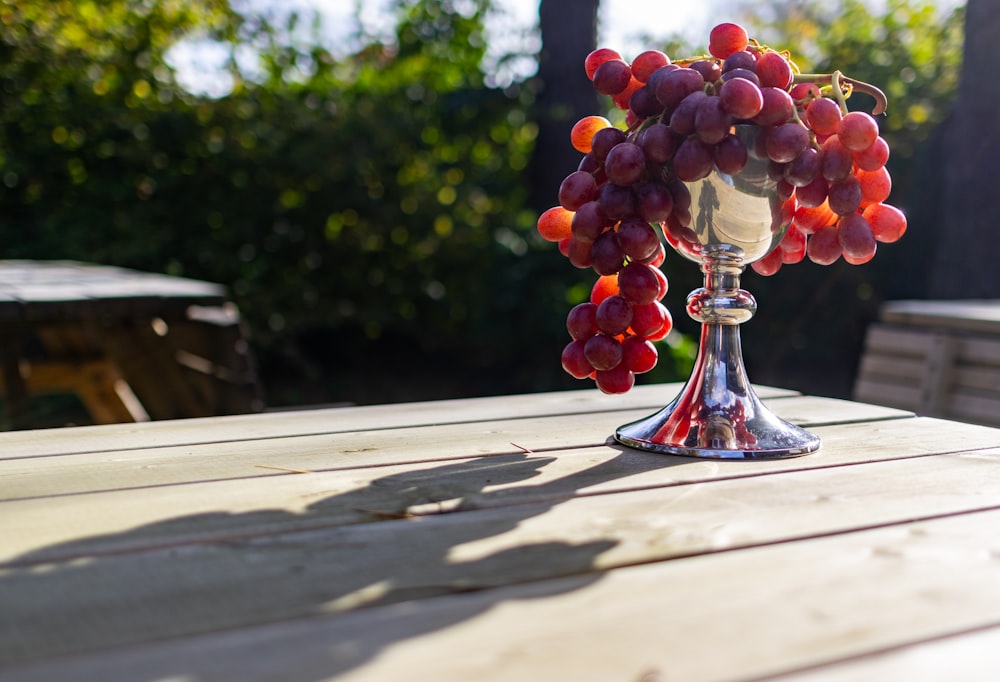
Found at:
<point>840,82</point>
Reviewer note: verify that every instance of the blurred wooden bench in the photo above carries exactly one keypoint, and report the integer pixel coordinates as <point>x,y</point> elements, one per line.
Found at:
<point>132,346</point>
<point>937,358</point>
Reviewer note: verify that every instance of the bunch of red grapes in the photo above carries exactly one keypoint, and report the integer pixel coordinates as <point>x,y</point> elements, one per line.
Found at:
<point>683,120</point>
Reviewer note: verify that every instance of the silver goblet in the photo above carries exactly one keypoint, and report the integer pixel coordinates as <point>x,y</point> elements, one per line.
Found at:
<point>735,220</point>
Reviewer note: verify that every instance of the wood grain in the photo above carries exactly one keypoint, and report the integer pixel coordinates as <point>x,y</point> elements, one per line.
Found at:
<point>741,615</point>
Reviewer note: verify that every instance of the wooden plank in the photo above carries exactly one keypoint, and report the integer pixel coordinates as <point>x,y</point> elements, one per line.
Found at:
<point>981,409</point>
<point>979,351</point>
<point>902,369</point>
<point>111,470</point>
<point>892,393</point>
<point>350,419</point>
<point>981,316</point>
<point>898,340</point>
<point>776,607</point>
<point>279,500</point>
<point>148,364</point>
<point>970,655</point>
<point>981,379</point>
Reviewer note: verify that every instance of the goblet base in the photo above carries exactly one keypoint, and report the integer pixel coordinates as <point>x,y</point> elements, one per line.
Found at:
<point>739,427</point>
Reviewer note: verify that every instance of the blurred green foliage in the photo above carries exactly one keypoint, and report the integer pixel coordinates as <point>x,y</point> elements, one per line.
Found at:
<point>368,210</point>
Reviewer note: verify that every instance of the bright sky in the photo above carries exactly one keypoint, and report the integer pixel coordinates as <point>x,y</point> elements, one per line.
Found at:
<point>619,19</point>
<point>621,22</point>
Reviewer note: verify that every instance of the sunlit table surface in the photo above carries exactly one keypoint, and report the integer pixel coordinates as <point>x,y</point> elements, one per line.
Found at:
<point>502,538</point>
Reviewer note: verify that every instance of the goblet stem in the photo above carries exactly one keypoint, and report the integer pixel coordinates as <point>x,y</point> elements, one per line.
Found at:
<point>718,414</point>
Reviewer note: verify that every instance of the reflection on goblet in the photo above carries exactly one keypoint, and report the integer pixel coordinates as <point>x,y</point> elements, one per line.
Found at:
<point>735,220</point>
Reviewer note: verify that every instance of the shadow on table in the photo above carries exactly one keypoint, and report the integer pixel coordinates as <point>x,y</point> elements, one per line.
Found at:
<point>288,580</point>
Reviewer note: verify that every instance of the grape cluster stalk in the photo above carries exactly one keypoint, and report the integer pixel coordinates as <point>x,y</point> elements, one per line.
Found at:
<point>681,117</point>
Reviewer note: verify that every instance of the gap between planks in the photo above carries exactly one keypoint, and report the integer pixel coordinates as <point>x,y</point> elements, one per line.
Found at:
<point>219,509</point>
<point>118,470</point>
<point>332,421</point>
<point>732,615</point>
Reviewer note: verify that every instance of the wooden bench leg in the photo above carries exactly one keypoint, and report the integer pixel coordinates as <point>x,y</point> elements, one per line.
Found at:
<point>15,389</point>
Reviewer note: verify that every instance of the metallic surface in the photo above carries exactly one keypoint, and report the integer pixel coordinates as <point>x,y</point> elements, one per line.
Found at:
<point>735,221</point>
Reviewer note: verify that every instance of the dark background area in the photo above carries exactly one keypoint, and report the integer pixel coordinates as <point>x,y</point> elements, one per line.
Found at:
<point>373,213</point>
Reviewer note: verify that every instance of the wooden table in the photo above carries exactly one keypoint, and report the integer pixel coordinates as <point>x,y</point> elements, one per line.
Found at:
<point>498,539</point>
<point>131,345</point>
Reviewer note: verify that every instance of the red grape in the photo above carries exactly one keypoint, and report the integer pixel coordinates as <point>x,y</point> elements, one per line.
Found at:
<point>616,380</point>
<point>577,189</point>
<point>605,286</point>
<point>823,115</point>
<point>812,194</point>
<point>648,319</point>
<point>711,121</point>
<point>682,120</point>
<point>810,220</point>
<point>694,160</point>
<point>614,314</point>
<point>578,252</point>
<point>845,196</point>
<point>857,131</point>
<point>623,98</point>
<point>793,245</point>
<point>584,130</point>
<point>876,186</point>
<point>656,260</point>
<point>588,222</point>
<point>638,240</point>
<point>581,322</point>
<point>773,70</point>
<point>638,284</point>
<point>741,98</point>
<point>776,107</point>
<point>730,155</point>
<point>625,164</point>
<point>646,63</point>
<point>803,93</point>
<point>725,39</point>
<point>638,354</point>
<point>612,77</point>
<point>856,237</point>
<point>741,60</point>
<point>804,168</point>
<point>874,157</point>
<point>769,264</point>
<point>596,58</point>
<point>662,283</point>
<point>786,141</point>
<point>708,68</point>
<point>555,224</point>
<point>617,202</point>
<point>603,352</point>
<point>659,143</point>
<point>606,255</point>
<point>604,140</point>
<point>824,248</point>
<point>655,202</point>
<point>887,222</point>
<point>665,328</point>
<point>675,85</point>
<point>837,160</point>
<point>644,104</point>
<point>575,362</point>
